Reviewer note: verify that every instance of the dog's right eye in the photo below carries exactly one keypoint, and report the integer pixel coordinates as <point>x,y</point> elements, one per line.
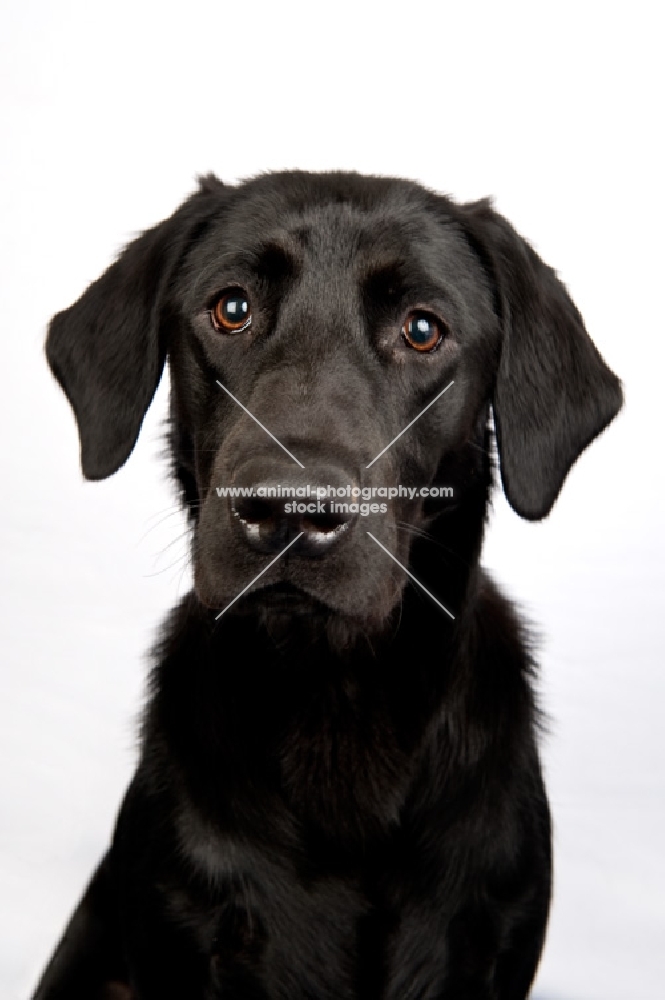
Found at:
<point>231,312</point>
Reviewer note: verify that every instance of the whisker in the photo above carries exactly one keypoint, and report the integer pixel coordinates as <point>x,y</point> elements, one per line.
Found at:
<point>163,518</point>
<point>183,558</point>
<point>419,532</point>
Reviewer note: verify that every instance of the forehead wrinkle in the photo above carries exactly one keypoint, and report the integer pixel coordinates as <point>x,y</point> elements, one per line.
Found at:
<point>213,262</point>
<point>330,233</point>
<point>278,238</point>
<point>334,239</point>
<point>345,246</point>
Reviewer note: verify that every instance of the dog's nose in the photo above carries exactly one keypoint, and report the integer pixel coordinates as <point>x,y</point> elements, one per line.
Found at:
<point>274,515</point>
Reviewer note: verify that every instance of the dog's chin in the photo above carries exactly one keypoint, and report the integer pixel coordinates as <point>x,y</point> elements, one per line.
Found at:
<point>287,613</point>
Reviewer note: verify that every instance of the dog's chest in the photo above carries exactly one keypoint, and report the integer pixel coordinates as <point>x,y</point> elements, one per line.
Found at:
<point>342,766</point>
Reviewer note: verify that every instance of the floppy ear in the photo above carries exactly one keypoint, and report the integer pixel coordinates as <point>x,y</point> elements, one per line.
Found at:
<point>106,350</point>
<point>553,392</point>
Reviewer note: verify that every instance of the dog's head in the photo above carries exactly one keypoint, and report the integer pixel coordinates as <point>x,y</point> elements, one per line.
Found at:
<point>309,321</point>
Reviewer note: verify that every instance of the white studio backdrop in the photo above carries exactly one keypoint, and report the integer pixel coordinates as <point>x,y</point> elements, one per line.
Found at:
<point>107,114</point>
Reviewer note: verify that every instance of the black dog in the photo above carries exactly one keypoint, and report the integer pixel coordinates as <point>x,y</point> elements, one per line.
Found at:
<point>339,793</point>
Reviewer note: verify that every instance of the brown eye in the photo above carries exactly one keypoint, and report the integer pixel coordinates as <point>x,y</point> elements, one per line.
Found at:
<point>422,332</point>
<point>231,313</point>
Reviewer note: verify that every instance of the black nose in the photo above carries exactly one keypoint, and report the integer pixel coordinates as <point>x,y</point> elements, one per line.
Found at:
<point>274,517</point>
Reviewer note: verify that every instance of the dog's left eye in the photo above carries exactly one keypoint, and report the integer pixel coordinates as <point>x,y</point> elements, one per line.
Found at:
<point>231,312</point>
<point>422,331</point>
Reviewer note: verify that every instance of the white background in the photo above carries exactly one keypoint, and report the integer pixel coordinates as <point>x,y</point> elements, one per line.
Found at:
<point>108,111</point>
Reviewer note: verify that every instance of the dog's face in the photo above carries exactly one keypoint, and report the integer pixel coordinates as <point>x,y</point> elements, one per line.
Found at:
<point>351,316</point>
<point>308,320</point>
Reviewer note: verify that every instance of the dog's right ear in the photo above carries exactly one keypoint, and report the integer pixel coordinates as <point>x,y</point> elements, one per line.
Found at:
<point>107,351</point>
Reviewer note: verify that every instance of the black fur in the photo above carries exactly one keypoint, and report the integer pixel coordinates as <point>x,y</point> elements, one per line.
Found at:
<point>339,793</point>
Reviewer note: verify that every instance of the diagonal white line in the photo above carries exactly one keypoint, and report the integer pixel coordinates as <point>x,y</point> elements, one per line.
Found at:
<point>258,422</point>
<point>410,425</point>
<point>265,570</point>
<point>410,574</point>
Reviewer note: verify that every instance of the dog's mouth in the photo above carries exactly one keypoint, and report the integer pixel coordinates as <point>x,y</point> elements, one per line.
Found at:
<point>279,597</point>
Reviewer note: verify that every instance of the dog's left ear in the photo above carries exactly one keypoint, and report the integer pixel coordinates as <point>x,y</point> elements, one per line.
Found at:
<point>553,392</point>
<point>107,350</point>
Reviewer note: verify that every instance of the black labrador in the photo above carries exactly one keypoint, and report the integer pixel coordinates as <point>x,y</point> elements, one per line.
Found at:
<point>339,793</point>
